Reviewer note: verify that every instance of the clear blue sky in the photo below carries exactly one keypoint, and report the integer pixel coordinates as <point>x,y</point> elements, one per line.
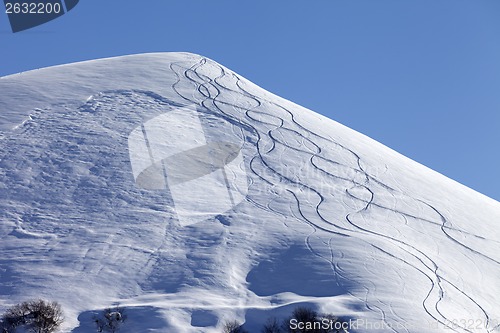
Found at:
<point>420,76</point>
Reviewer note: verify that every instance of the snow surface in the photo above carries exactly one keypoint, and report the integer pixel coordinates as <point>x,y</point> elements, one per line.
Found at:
<point>330,218</point>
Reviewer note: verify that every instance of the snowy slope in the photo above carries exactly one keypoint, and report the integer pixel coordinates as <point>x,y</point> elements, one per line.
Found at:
<point>106,198</point>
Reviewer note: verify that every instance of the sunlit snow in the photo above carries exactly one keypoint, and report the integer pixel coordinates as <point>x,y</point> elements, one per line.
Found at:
<point>302,211</point>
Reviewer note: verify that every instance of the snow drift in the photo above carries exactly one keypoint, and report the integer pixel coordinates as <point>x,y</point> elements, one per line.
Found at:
<point>170,185</point>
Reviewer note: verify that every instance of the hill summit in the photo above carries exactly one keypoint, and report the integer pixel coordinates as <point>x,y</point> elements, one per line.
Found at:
<point>171,186</point>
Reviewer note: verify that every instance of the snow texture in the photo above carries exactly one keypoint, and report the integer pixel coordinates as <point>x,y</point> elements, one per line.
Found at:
<point>303,211</point>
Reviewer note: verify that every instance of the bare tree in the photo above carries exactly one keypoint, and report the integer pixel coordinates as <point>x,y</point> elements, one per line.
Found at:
<point>233,327</point>
<point>36,316</point>
<point>272,326</point>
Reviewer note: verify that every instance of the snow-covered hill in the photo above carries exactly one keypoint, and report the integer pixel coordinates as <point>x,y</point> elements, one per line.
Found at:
<point>169,185</point>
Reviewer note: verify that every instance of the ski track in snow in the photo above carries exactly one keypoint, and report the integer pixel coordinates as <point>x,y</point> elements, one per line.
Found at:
<point>432,271</point>
<point>367,202</point>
